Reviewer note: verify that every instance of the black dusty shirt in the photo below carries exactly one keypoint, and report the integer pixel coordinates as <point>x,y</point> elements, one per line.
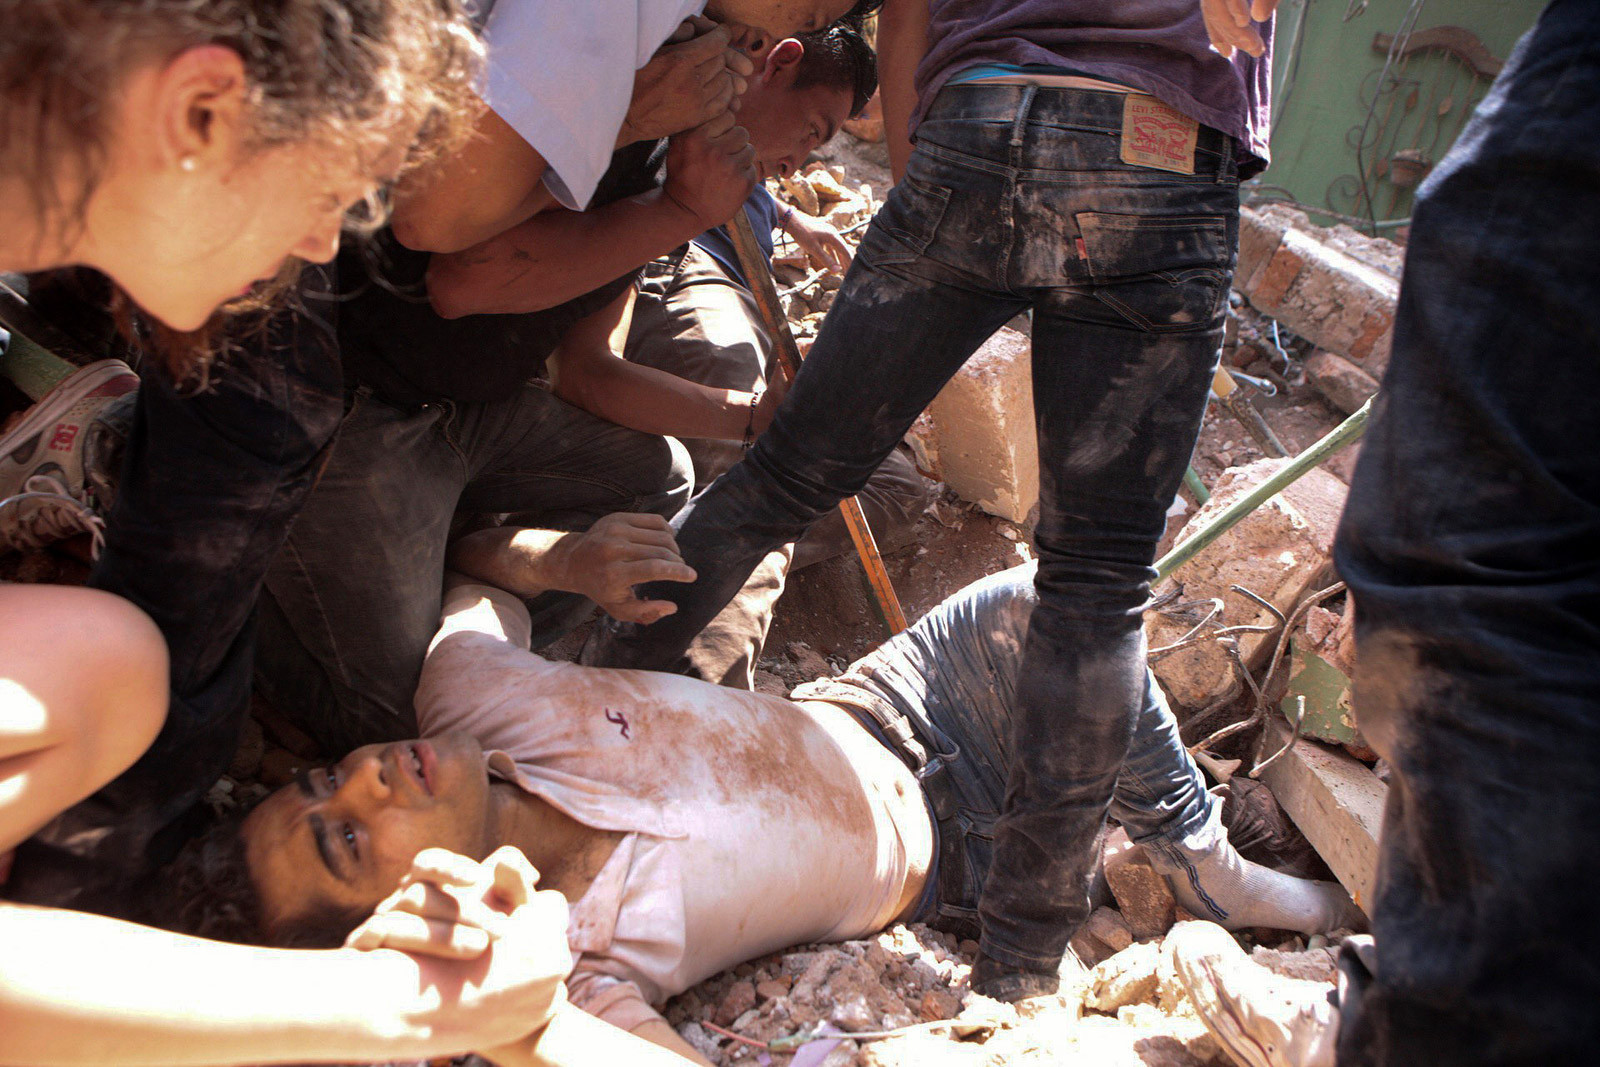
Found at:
<point>393,342</point>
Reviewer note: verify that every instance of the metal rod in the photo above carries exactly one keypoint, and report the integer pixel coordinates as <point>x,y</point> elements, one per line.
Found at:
<point>758,272</point>
<point>1347,431</point>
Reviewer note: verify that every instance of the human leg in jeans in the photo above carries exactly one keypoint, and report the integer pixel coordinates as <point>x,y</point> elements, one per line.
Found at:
<point>211,481</point>
<point>1469,543</point>
<point>694,320</point>
<point>955,676</point>
<point>1014,197</point>
<point>356,588</point>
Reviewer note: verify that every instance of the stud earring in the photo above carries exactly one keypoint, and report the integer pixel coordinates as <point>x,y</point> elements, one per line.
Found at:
<point>187,164</point>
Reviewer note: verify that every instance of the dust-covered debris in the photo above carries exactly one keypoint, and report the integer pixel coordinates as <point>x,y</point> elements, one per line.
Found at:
<point>1130,1010</point>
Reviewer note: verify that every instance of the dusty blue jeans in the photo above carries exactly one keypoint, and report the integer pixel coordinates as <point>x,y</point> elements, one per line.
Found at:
<point>1015,198</point>
<point>1472,544</point>
<point>954,677</point>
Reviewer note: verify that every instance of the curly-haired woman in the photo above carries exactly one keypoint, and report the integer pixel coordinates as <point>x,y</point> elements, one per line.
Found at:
<point>194,151</point>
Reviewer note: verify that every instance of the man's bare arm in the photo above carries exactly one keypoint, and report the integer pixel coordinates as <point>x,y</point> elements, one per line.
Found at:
<point>902,42</point>
<point>558,255</point>
<point>603,563</point>
<point>496,181</point>
<point>589,371</point>
<point>493,182</point>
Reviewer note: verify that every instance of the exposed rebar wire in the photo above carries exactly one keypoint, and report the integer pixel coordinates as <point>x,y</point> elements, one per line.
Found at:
<point>1294,735</point>
<point>1258,714</point>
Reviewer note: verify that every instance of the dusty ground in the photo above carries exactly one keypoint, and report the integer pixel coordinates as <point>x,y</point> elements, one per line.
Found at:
<point>801,1008</point>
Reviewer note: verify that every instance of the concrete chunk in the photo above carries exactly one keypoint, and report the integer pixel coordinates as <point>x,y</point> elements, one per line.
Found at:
<point>981,441</point>
<point>1337,288</point>
<point>1275,552</point>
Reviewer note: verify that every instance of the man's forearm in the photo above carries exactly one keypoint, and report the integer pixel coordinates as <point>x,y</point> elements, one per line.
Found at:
<point>80,989</point>
<point>518,559</point>
<point>558,255</point>
<point>575,1038</point>
<point>651,400</point>
<point>494,182</point>
<point>902,42</point>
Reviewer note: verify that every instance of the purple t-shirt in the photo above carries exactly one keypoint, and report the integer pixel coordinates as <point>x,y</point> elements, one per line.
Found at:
<point>1156,46</point>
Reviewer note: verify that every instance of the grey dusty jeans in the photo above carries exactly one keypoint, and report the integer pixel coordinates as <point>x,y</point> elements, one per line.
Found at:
<point>954,676</point>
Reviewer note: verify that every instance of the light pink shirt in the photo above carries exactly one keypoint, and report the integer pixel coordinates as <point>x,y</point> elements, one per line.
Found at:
<point>753,822</point>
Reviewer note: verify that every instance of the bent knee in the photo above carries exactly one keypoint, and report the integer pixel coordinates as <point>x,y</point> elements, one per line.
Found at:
<point>95,668</point>
<point>671,474</point>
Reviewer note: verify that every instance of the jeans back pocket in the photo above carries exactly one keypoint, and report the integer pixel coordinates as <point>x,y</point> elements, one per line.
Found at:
<point>1163,273</point>
<point>909,220</point>
<point>966,851</point>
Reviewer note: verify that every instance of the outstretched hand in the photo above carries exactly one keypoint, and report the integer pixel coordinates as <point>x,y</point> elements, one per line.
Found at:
<point>621,551</point>
<point>494,948</point>
<point>1229,23</point>
<point>820,242</point>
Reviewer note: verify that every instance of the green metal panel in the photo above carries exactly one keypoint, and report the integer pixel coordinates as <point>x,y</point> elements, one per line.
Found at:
<point>1354,138</point>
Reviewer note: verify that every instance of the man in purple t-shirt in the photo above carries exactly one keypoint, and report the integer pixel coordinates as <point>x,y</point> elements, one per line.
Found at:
<point>1079,160</point>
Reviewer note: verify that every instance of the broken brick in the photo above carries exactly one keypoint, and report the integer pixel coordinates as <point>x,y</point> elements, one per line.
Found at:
<point>1142,894</point>
<point>740,998</point>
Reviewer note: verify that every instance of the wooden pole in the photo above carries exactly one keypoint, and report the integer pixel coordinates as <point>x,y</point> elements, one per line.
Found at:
<point>758,274</point>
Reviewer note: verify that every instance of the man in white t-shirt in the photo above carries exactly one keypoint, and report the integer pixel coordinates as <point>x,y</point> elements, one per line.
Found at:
<point>558,88</point>
<point>694,826</point>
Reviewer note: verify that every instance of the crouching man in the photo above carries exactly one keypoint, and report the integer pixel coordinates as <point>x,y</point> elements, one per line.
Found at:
<point>693,826</point>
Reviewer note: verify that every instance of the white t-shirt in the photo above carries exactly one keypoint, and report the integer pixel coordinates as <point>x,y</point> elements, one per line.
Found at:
<point>753,822</point>
<point>561,75</point>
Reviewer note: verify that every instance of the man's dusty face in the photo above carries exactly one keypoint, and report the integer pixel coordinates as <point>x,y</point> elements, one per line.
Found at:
<point>341,838</point>
<point>786,125</point>
<point>780,18</point>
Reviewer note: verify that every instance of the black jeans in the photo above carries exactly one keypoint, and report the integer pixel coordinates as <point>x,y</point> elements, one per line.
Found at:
<point>209,486</point>
<point>353,597</point>
<point>1014,198</point>
<point>1472,544</point>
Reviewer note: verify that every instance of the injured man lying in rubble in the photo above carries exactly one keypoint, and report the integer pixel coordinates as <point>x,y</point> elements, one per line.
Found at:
<point>693,826</point>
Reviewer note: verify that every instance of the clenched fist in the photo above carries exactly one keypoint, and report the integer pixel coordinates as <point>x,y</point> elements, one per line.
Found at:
<point>711,170</point>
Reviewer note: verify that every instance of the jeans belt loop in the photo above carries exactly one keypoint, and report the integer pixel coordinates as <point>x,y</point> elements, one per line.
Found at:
<point>1224,166</point>
<point>895,726</point>
<point>1028,93</point>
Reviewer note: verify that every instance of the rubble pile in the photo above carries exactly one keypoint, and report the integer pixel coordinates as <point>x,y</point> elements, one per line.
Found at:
<point>1335,287</point>
<point>836,1006</point>
<point>822,191</point>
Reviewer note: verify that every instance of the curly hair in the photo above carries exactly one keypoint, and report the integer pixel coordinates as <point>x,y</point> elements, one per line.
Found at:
<point>209,891</point>
<point>350,72</point>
